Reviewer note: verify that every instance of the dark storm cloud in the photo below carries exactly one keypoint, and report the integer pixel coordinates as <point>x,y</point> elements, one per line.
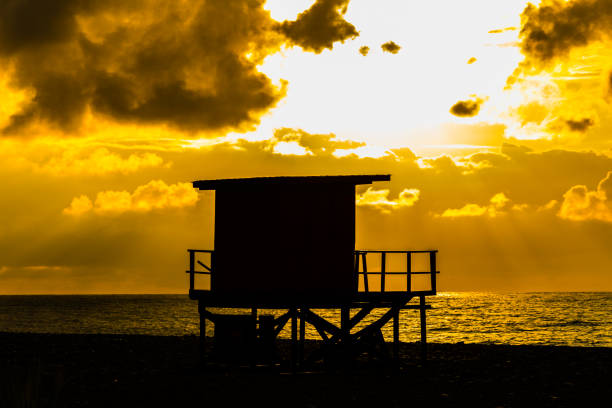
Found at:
<point>390,47</point>
<point>552,29</point>
<point>190,65</point>
<point>555,27</point>
<point>35,23</point>
<point>466,108</point>
<point>320,26</point>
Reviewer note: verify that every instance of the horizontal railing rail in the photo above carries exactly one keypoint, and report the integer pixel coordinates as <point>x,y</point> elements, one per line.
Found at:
<point>361,268</point>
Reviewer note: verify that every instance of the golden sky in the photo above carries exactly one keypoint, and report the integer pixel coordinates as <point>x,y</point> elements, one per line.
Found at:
<point>493,119</point>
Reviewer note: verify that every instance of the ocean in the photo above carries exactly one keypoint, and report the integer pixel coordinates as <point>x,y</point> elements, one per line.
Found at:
<point>549,318</point>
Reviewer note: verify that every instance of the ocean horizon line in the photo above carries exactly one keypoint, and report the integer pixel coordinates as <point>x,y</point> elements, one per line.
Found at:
<point>439,293</point>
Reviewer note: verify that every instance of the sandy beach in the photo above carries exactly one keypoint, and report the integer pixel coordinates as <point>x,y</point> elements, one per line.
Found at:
<point>124,370</point>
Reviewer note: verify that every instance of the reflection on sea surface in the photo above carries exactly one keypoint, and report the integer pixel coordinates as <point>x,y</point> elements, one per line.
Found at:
<point>574,319</point>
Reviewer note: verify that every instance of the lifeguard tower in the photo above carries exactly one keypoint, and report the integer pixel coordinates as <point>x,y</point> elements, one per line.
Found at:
<point>289,243</point>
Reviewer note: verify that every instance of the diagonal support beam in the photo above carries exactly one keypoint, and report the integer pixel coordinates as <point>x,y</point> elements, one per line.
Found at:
<point>361,314</point>
<point>377,325</point>
<point>281,321</point>
<point>320,323</point>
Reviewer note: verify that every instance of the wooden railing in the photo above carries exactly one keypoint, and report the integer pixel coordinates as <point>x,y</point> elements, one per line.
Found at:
<point>193,261</point>
<point>361,268</point>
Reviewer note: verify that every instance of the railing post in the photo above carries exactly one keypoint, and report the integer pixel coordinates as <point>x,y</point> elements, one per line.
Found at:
<point>383,264</point>
<point>212,269</point>
<point>356,271</point>
<point>191,269</point>
<point>409,271</point>
<point>365,272</point>
<point>432,268</point>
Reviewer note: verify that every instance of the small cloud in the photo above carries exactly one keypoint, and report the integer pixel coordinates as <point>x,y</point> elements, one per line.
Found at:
<point>404,153</point>
<point>467,108</point>
<point>379,199</point>
<point>471,60</point>
<point>515,151</point>
<point>581,204</point>
<point>498,204</point>
<point>154,195</point>
<point>79,206</point>
<point>316,144</point>
<point>579,125</point>
<point>290,149</point>
<point>320,26</point>
<point>364,50</point>
<point>468,210</point>
<point>391,47</point>
<point>502,30</point>
<point>532,112</point>
<point>551,205</point>
<point>499,200</point>
<point>100,161</point>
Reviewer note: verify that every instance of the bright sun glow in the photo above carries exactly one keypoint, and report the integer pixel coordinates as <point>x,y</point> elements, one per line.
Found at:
<point>390,99</point>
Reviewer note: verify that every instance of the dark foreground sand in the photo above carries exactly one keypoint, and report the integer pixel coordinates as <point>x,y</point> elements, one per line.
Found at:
<point>141,371</point>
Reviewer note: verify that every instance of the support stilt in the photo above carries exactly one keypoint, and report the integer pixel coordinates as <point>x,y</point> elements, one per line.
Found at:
<point>202,312</point>
<point>294,342</point>
<point>302,335</point>
<point>345,333</point>
<point>396,312</point>
<point>423,329</point>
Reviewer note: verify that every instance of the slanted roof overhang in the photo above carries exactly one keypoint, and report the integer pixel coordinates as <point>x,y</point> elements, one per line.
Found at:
<point>254,182</point>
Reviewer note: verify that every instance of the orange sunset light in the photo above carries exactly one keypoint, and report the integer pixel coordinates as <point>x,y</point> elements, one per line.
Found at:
<point>493,119</point>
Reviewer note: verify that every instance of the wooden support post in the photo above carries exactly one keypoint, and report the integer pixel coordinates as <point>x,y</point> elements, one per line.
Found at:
<point>409,272</point>
<point>383,267</point>
<point>356,272</point>
<point>345,319</point>
<point>202,312</point>
<point>345,333</point>
<point>302,335</point>
<point>423,329</point>
<point>294,344</point>
<point>254,337</point>
<point>396,312</point>
<point>432,268</point>
<point>191,274</point>
<point>365,272</point>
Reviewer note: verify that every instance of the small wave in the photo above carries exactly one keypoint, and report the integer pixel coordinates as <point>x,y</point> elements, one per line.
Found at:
<point>440,329</point>
<point>576,322</point>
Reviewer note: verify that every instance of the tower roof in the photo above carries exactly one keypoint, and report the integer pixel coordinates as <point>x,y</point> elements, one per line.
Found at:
<point>239,183</point>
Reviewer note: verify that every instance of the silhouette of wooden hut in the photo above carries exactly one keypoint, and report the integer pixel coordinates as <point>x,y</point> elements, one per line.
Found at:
<point>289,243</point>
